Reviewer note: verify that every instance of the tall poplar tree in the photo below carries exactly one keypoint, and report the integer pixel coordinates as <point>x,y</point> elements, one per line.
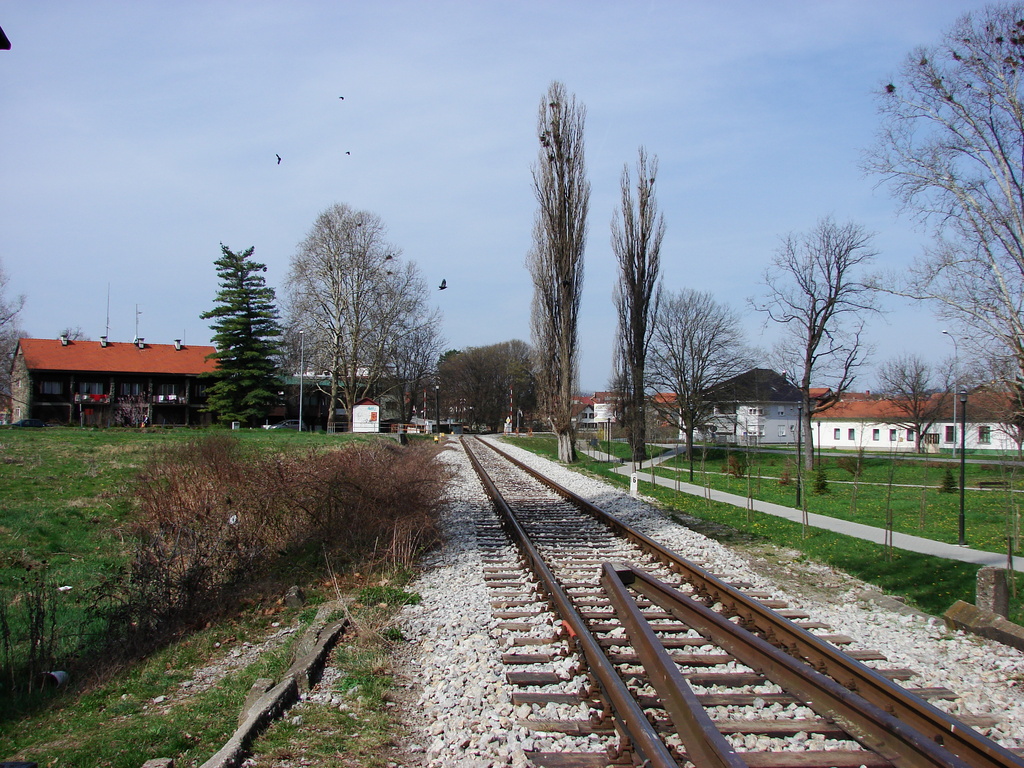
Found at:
<point>555,260</point>
<point>245,330</point>
<point>636,242</point>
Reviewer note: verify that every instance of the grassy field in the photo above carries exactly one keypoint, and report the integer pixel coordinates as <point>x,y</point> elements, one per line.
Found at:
<point>907,492</point>
<point>66,496</point>
<point>932,584</point>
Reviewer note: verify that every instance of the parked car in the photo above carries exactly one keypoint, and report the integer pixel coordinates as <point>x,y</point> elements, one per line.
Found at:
<point>289,424</point>
<point>29,423</point>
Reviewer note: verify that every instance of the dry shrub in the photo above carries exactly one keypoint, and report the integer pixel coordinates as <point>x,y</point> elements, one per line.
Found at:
<point>736,465</point>
<point>213,519</point>
<point>374,501</point>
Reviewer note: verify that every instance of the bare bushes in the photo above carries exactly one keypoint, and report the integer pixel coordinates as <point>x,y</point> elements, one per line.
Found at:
<point>380,501</point>
<point>29,634</point>
<point>213,519</point>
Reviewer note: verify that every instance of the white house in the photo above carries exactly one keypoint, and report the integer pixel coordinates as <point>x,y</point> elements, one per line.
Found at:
<point>859,420</point>
<point>755,408</point>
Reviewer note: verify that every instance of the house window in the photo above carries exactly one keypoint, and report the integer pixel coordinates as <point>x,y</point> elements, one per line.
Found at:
<point>876,434</point>
<point>167,389</point>
<point>910,435</point>
<point>892,435</point>
<point>129,388</point>
<point>783,431</point>
<point>200,390</point>
<point>51,388</point>
<point>90,388</point>
<point>950,434</point>
<point>930,438</point>
<point>836,433</point>
<point>755,411</point>
<point>851,434</point>
<point>984,434</point>
<point>782,411</point>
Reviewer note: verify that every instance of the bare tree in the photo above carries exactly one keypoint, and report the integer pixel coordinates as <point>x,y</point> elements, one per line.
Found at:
<point>354,300</point>
<point>555,259</point>
<point>697,345</point>
<point>10,332</point>
<point>817,296</point>
<point>74,334</point>
<point>414,355</point>
<point>951,148</point>
<point>478,383</point>
<point>920,393</point>
<point>636,242</point>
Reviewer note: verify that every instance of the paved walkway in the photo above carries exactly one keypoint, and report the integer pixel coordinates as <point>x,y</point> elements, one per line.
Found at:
<point>846,527</point>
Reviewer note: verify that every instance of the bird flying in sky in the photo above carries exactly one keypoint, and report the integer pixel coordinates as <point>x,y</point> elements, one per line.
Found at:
<point>444,284</point>
<point>278,158</point>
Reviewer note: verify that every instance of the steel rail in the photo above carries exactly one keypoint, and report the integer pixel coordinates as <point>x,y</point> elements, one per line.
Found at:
<point>705,745</point>
<point>875,728</point>
<point>945,730</point>
<point>628,713</point>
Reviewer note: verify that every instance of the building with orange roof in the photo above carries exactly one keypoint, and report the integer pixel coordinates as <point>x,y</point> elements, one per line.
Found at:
<point>861,420</point>
<point>105,383</point>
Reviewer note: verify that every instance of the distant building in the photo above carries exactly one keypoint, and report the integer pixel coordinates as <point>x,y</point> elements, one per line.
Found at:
<point>756,407</point>
<point>863,421</point>
<point>104,383</point>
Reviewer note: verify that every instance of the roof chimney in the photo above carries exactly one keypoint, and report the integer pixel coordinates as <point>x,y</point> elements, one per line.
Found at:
<point>103,341</point>
<point>141,342</point>
<point>63,339</point>
<point>177,344</point>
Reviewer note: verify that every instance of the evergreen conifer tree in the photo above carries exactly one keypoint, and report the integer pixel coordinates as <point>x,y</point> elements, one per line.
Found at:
<point>245,331</point>
<point>821,481</point>
<point>948,483</point>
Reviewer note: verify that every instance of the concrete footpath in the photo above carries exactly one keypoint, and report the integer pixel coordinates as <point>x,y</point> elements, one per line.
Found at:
<point>846,527</point>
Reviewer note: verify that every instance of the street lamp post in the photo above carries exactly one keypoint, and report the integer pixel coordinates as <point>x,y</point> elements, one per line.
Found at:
<point>302,368</point>
<point>961,539</point>
<point>956,372</point>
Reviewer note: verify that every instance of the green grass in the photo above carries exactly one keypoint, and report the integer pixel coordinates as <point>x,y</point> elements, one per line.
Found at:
<point>914,501</point>
<point>64,492</point>
<point>930,583</point>
<point>64,510</point>
<point>119,723</point>
<point>362,727</point>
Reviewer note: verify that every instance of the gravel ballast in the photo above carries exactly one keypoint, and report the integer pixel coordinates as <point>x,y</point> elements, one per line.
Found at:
<point>459,711</point>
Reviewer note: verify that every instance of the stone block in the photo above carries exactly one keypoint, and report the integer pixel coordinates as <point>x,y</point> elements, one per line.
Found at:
<point>970,618</point>
<point>260,687</point>
<point>992,592</point>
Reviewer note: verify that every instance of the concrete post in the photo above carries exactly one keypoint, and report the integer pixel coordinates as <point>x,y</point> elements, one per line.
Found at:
<point>992,592</point>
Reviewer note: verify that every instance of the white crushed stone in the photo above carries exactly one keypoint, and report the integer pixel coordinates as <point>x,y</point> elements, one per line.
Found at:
<point>464,715</point>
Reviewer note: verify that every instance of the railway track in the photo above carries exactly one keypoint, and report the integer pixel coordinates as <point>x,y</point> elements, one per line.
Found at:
<point>664,664</point>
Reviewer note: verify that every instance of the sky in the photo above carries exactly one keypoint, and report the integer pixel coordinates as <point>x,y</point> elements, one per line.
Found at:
<point>137,136</point>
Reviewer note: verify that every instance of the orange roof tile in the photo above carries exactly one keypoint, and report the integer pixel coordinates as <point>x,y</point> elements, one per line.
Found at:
<point>859,408</point>
<point>116,357</point>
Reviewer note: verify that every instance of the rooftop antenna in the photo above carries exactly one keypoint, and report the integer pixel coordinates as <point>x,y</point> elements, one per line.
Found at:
<point>137,313</point>
<point>108,310</point>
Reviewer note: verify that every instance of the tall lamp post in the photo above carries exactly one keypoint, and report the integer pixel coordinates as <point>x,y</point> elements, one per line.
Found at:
<point>961,539</point>
<point>956,371</point>
<point>302,370</point>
